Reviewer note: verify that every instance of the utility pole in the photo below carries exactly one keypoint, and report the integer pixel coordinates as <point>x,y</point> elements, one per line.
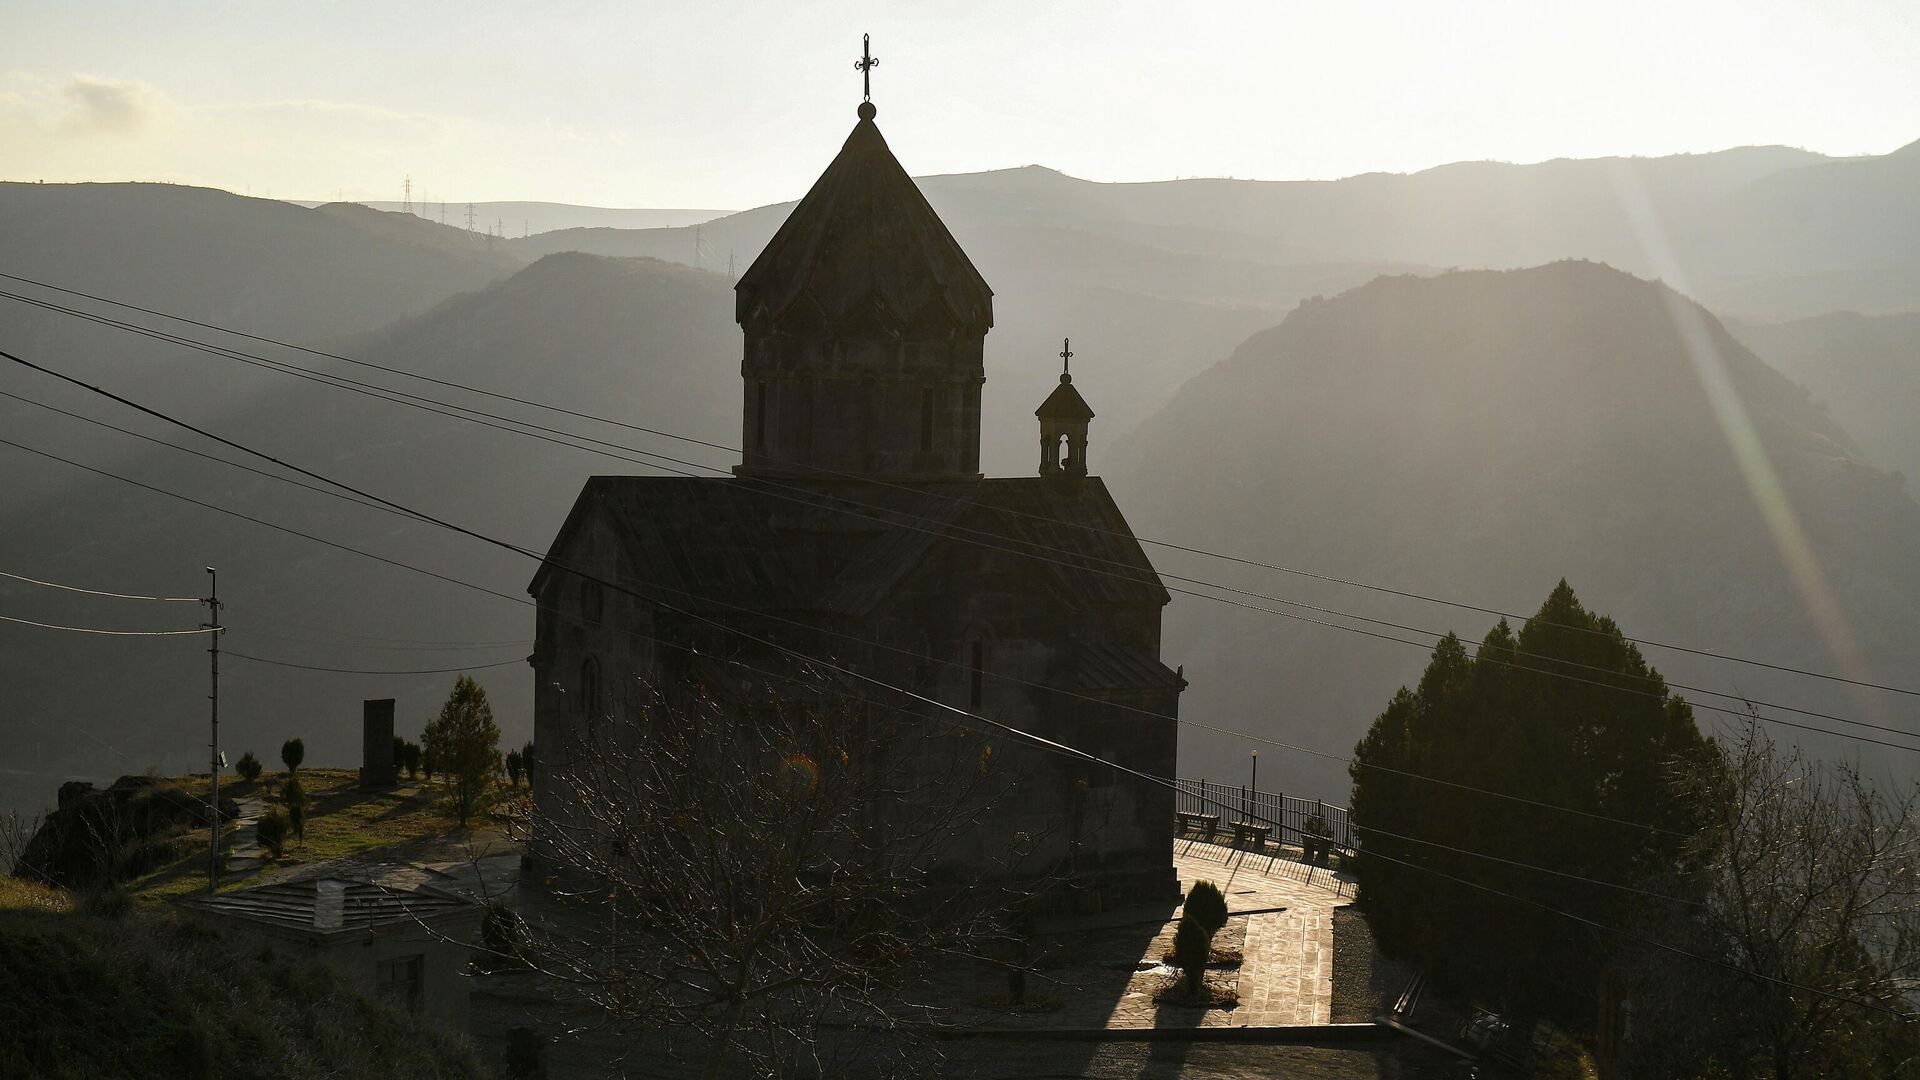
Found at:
<point>469,217</point>
<point>213,746</point>
<point>406,202</point>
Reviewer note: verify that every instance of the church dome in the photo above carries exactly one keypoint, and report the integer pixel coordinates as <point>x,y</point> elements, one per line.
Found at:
<point>863,254</point>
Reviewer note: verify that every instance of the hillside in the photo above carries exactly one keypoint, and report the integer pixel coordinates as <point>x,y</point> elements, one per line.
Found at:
<point>1480,435</point>
<point>627,338</point>
<point>1764,232</point>
<point>86,993</point>
<point>255,265</point>
<point>1865,368</point>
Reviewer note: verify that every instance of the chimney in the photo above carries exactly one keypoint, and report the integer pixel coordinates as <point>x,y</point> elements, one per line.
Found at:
<point>376,747</point>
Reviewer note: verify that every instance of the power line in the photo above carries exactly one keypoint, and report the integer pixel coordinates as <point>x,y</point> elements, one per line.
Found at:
<point>396,647</point>
<point>1033,552</point>
<point>100,592</point>
<point>1169,545</point>
<point>811,499</point>
<point>797,655</point>
<point>330,493</point>
<point>724,627</point>
<point>529,553</point>
<point>377,671</point>
<point>999,676</point>
<point>96,630</point>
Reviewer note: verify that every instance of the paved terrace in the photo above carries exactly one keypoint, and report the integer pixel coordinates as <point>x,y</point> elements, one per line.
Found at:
<point>1103,972</point>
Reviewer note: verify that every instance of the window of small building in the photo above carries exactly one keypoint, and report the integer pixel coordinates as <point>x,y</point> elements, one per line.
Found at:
<point>399,980</point>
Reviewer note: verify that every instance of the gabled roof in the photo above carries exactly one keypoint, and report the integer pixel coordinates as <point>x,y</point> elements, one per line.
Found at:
<point>864,250</point>
<point>1103,665</point>
<point>747,544</point>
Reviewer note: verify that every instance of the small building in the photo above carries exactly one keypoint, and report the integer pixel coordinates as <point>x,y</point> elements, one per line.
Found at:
<point>408,946</point>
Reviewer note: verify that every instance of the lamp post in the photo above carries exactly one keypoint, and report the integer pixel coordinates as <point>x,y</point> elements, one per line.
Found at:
<point>1253,786</point>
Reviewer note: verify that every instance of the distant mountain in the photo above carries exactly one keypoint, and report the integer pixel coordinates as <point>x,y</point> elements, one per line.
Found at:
<point>628,338</point>
<point>516,218</point>
<point>1478,436</point>
<point>1866,368</point>
<point>256,265</point>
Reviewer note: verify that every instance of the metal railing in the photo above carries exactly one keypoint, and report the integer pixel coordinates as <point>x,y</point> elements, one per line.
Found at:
<point>1239,803</point>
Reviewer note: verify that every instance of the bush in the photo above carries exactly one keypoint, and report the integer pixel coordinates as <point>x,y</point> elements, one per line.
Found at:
<point>1192,944</point>
<point>272,831</point>
<point>514,767</point>
<point>292,753</point>
<point>410,755</point>
<point>1207,906</point>
<point>249,767</point>
<point>294,796</point>
<point>500,933</point>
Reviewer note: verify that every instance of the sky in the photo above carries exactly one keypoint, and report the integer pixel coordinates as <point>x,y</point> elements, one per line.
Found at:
<point>730,105</point>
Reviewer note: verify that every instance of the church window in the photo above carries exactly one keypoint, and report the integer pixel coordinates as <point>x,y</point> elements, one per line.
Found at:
<point>926,421</point>
<point>760,416</point>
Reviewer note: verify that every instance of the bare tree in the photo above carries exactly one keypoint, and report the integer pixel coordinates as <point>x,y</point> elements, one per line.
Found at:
<point>1808,882</point>
<point>761,874</point>
<point>16,832</point>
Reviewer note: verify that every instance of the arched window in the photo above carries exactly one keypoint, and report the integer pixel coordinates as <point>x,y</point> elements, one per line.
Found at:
<point>926,420</point>
<point>760,415</point>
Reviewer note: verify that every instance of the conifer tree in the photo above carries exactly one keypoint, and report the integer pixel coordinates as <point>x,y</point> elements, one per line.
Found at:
<point>464,743</point>
<point>1565,713</point>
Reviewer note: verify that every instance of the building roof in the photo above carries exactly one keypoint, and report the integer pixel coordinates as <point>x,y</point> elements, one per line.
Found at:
<point>864,251</point>
<point>328,906</point>
<point>746,543</point>
<point>1105,665</point>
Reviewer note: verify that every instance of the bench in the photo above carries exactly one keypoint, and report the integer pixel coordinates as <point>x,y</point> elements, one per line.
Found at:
<point>1188,820</point>
<point>1244,831</point>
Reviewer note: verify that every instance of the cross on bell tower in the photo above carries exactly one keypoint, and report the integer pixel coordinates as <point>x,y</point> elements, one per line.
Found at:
<point>1063,419</point>
<point>865,66</point>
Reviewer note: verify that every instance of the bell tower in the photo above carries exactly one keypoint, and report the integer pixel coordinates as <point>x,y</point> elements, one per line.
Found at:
<point>864,325</point>
<point>1063,424</point>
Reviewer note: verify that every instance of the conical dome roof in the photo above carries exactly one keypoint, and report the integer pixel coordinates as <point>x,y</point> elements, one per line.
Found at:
<point>863,251</point>
<point>1065,403</point>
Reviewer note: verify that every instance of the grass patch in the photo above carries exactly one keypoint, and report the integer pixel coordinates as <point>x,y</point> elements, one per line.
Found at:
<point>343,822</point>
<point>20,895</point>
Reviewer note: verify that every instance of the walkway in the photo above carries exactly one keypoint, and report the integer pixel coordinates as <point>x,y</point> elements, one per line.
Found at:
<point>1286,971</point>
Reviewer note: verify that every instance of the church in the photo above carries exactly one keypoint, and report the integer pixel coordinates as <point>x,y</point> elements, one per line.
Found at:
<point>858,529</point>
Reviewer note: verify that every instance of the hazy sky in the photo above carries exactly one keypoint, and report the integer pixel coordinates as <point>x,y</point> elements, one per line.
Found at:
<point>730,105</point>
